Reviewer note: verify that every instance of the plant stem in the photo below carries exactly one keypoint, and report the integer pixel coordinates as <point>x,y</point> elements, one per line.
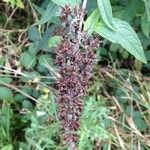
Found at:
<point>82,19</point>
<point>84,4</point>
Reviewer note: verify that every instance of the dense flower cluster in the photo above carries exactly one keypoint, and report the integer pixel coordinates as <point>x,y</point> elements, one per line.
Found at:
<point>75,58</point>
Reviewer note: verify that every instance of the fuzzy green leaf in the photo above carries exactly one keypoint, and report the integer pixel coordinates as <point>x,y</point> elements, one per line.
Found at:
<point>51,11</point>
<point>125,36</point>
<point>67,2</point>
<point>92,21</point>
<point>106,13</point>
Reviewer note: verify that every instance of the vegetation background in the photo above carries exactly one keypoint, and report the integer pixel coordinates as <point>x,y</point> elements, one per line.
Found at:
<point>116,115</point>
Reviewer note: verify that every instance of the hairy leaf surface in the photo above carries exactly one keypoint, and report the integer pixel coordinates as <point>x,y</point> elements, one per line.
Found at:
<point>125,36</point>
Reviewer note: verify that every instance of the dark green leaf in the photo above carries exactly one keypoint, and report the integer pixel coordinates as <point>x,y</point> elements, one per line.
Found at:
<point>44,60</point>
<point>34,34</point>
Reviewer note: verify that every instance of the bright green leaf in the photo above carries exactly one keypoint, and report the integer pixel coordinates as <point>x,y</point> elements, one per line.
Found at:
<point>7,147</point>
<point>19,4</point>
<point>92,21</point>
<point>125,36</point>
<point>106,13</point>
<point>54,41</point>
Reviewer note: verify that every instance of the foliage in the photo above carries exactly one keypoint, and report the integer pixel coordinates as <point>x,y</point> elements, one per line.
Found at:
<point>116,111</point>
<point>14,3</point>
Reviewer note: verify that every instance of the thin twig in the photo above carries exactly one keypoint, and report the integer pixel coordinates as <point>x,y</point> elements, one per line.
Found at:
<point>10,17</point>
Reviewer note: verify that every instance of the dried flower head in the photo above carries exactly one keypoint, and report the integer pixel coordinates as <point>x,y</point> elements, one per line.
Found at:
<point>75,59</point>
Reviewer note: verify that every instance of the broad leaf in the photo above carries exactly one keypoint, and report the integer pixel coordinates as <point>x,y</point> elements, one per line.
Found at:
<point>106,13</point>
<point>67,2</point>
<point>125,36</point>
<point>51,11</point>
<point>92,21</point>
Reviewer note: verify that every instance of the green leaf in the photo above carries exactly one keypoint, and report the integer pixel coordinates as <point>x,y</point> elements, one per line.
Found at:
<point>125,36</point>
<point>51,11</point>
<point>7,147</point>
<point>67,2</point>
<point>145,24</point>
<point>92,21</point>
<point>139,121</point>
<point>33,48</point>
<point>45,39</point>
<point>106,13</point>
<point>34,34</point>
<point>54,41</point>
<point>131,9</point>
<point>19,4</point>
<point>38,9</point>
<point>6,94</point>
<point>6,80</point>
<point>27,104</point>
<point>147,7</point>
<point>45,59</point>
<point>2,60</point>
<point>147,53</point>
<point>28,60</point>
